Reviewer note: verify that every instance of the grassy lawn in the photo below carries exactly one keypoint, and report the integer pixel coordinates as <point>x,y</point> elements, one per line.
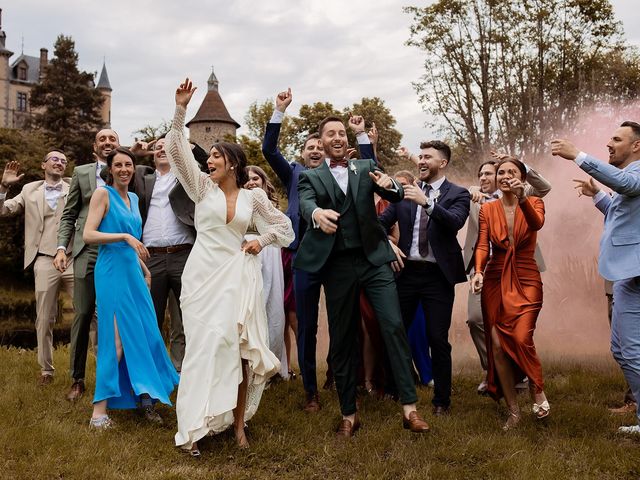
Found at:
<point>43,436</point>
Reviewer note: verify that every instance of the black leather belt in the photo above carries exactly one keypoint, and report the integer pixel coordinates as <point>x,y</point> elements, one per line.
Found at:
<point>170,249</point>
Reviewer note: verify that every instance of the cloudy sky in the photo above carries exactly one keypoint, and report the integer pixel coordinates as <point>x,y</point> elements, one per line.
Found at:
<point>327,50</point>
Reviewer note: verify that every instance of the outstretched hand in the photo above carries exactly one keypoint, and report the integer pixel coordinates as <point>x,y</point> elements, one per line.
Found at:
<point>588,188</point>
<point>10,175</point>
<point>381,179</point>
<point>283,100</point>
<point>184,92</point>
<point>564,148</point>
<point>373,134</point>
<point>476,194</point>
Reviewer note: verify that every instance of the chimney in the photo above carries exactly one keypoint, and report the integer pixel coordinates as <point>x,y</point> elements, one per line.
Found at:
<point>44,61</point>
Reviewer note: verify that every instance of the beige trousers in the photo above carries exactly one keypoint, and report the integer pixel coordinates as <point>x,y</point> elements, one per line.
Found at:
<point>48,282</point>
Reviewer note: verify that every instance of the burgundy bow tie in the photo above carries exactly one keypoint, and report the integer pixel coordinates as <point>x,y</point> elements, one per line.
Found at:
<point>338,163</point>
<point>51,188</point>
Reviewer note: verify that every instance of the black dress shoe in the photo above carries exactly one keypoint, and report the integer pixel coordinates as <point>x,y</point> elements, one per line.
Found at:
<point>440,411</point>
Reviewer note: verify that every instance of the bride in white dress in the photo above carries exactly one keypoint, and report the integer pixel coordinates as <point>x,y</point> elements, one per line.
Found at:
<point>227,359</point>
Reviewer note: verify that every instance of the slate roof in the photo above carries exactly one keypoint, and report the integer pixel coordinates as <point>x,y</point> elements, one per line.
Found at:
<point>213,108</point>
<point>33,68</point>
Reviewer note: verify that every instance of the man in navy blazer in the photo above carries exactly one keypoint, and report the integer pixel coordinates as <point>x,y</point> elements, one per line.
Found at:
<point>619,259</point>
<point>429,219</point>
<point>305,285</point>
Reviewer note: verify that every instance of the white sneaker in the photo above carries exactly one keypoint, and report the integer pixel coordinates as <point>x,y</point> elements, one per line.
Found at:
<point>630,430</point>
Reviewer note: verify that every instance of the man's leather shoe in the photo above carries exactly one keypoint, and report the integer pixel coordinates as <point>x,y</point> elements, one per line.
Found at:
<point>76,392</point>
<point>628,407</point>
<point>45,380</point>
<point>415,423</point>
<point>312,403</point>
<point>346,429</point>
<point>440,411</point>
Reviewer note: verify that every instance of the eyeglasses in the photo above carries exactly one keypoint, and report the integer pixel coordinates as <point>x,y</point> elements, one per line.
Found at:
<point>63,161</point>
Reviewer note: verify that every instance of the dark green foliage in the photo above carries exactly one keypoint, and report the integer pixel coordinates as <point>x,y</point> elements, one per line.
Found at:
<point>28,148</point>
<point>67,104</point>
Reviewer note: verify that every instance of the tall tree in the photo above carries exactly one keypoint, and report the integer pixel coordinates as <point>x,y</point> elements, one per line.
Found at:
<point>510,74</point>
<point>67,104</point>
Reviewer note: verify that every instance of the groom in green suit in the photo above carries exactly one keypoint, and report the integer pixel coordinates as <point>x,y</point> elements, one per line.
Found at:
<point>86,178</point>
<point>347,245</point>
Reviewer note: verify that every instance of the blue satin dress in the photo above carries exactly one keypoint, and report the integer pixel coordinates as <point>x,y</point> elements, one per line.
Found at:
<point>122,297</point>
<point>419,344</point>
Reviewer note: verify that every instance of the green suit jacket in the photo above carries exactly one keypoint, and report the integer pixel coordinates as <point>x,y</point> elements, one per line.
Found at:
<point>74,215</point>
<point>316,190</point>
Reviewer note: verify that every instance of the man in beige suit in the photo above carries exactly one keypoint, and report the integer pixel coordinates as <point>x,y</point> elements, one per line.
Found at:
<point>42,203</point>
<point>487,191</point>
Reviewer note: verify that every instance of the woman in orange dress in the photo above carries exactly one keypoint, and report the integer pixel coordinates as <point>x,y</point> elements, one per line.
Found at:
<point>508,277</point>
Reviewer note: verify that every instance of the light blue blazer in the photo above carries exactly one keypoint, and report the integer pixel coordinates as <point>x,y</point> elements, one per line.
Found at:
<point>620,242</point>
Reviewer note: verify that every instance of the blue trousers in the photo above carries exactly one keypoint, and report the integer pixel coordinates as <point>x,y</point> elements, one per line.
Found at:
<point>625,331</point>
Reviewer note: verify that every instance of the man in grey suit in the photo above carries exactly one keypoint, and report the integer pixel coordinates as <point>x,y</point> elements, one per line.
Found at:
<point>487,191</point>
<point>168,233</point>
<point>619,259</point>
<point>86,178</point>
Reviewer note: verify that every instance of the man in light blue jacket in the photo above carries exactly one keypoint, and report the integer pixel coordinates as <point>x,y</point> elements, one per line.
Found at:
<point>619,259</point>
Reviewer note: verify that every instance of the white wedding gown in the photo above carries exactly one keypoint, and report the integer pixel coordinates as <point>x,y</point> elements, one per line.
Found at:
<point>222,304</point>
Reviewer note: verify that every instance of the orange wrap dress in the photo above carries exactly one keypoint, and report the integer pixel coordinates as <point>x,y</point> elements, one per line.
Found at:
<point>512,290</point>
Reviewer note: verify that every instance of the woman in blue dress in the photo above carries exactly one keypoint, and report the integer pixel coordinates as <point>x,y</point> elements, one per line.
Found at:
<point>133,367</point>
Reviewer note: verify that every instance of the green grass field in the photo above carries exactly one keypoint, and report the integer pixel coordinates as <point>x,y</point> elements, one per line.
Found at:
<point>42,436</point>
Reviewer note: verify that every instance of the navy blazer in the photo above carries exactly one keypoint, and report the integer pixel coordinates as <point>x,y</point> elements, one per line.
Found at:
<point>448,216</point>
<point>288,173</point>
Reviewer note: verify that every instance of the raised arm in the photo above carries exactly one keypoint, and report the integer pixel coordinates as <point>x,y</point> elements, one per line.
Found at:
<point>195,183</point>
<point>10,176</point>
<point>537,185</point>
<point>271,136</point>
<point>273,226</point>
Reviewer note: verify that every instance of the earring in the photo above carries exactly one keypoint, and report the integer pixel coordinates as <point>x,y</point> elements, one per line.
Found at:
<point>231,168</point>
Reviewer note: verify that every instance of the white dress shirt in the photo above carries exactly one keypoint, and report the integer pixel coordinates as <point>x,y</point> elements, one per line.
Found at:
<point>52,194</point>
<point>414,251</point>
<point>162,228</point>
<point>99,166</point>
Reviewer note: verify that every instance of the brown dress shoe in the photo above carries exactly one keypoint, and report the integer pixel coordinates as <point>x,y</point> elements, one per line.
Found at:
<point>415,423</point>
<point>346,429</point>
<point>440,411</point>
<point>76,392</point>
<point>312,403</point>
<point>45,380</point>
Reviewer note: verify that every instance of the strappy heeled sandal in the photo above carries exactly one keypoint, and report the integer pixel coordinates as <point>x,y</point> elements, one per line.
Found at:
<point>512,420</point>
<point>541,410</point>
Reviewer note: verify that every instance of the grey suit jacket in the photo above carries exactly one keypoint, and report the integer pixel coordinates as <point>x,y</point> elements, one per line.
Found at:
<point>536,186</point>
<point>182,206</point>
<point>74,216</point>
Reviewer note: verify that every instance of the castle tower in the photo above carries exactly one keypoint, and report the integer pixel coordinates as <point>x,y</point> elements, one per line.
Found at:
<point>104,87</point>
<point>5,118</point>
<point>212,122</point>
